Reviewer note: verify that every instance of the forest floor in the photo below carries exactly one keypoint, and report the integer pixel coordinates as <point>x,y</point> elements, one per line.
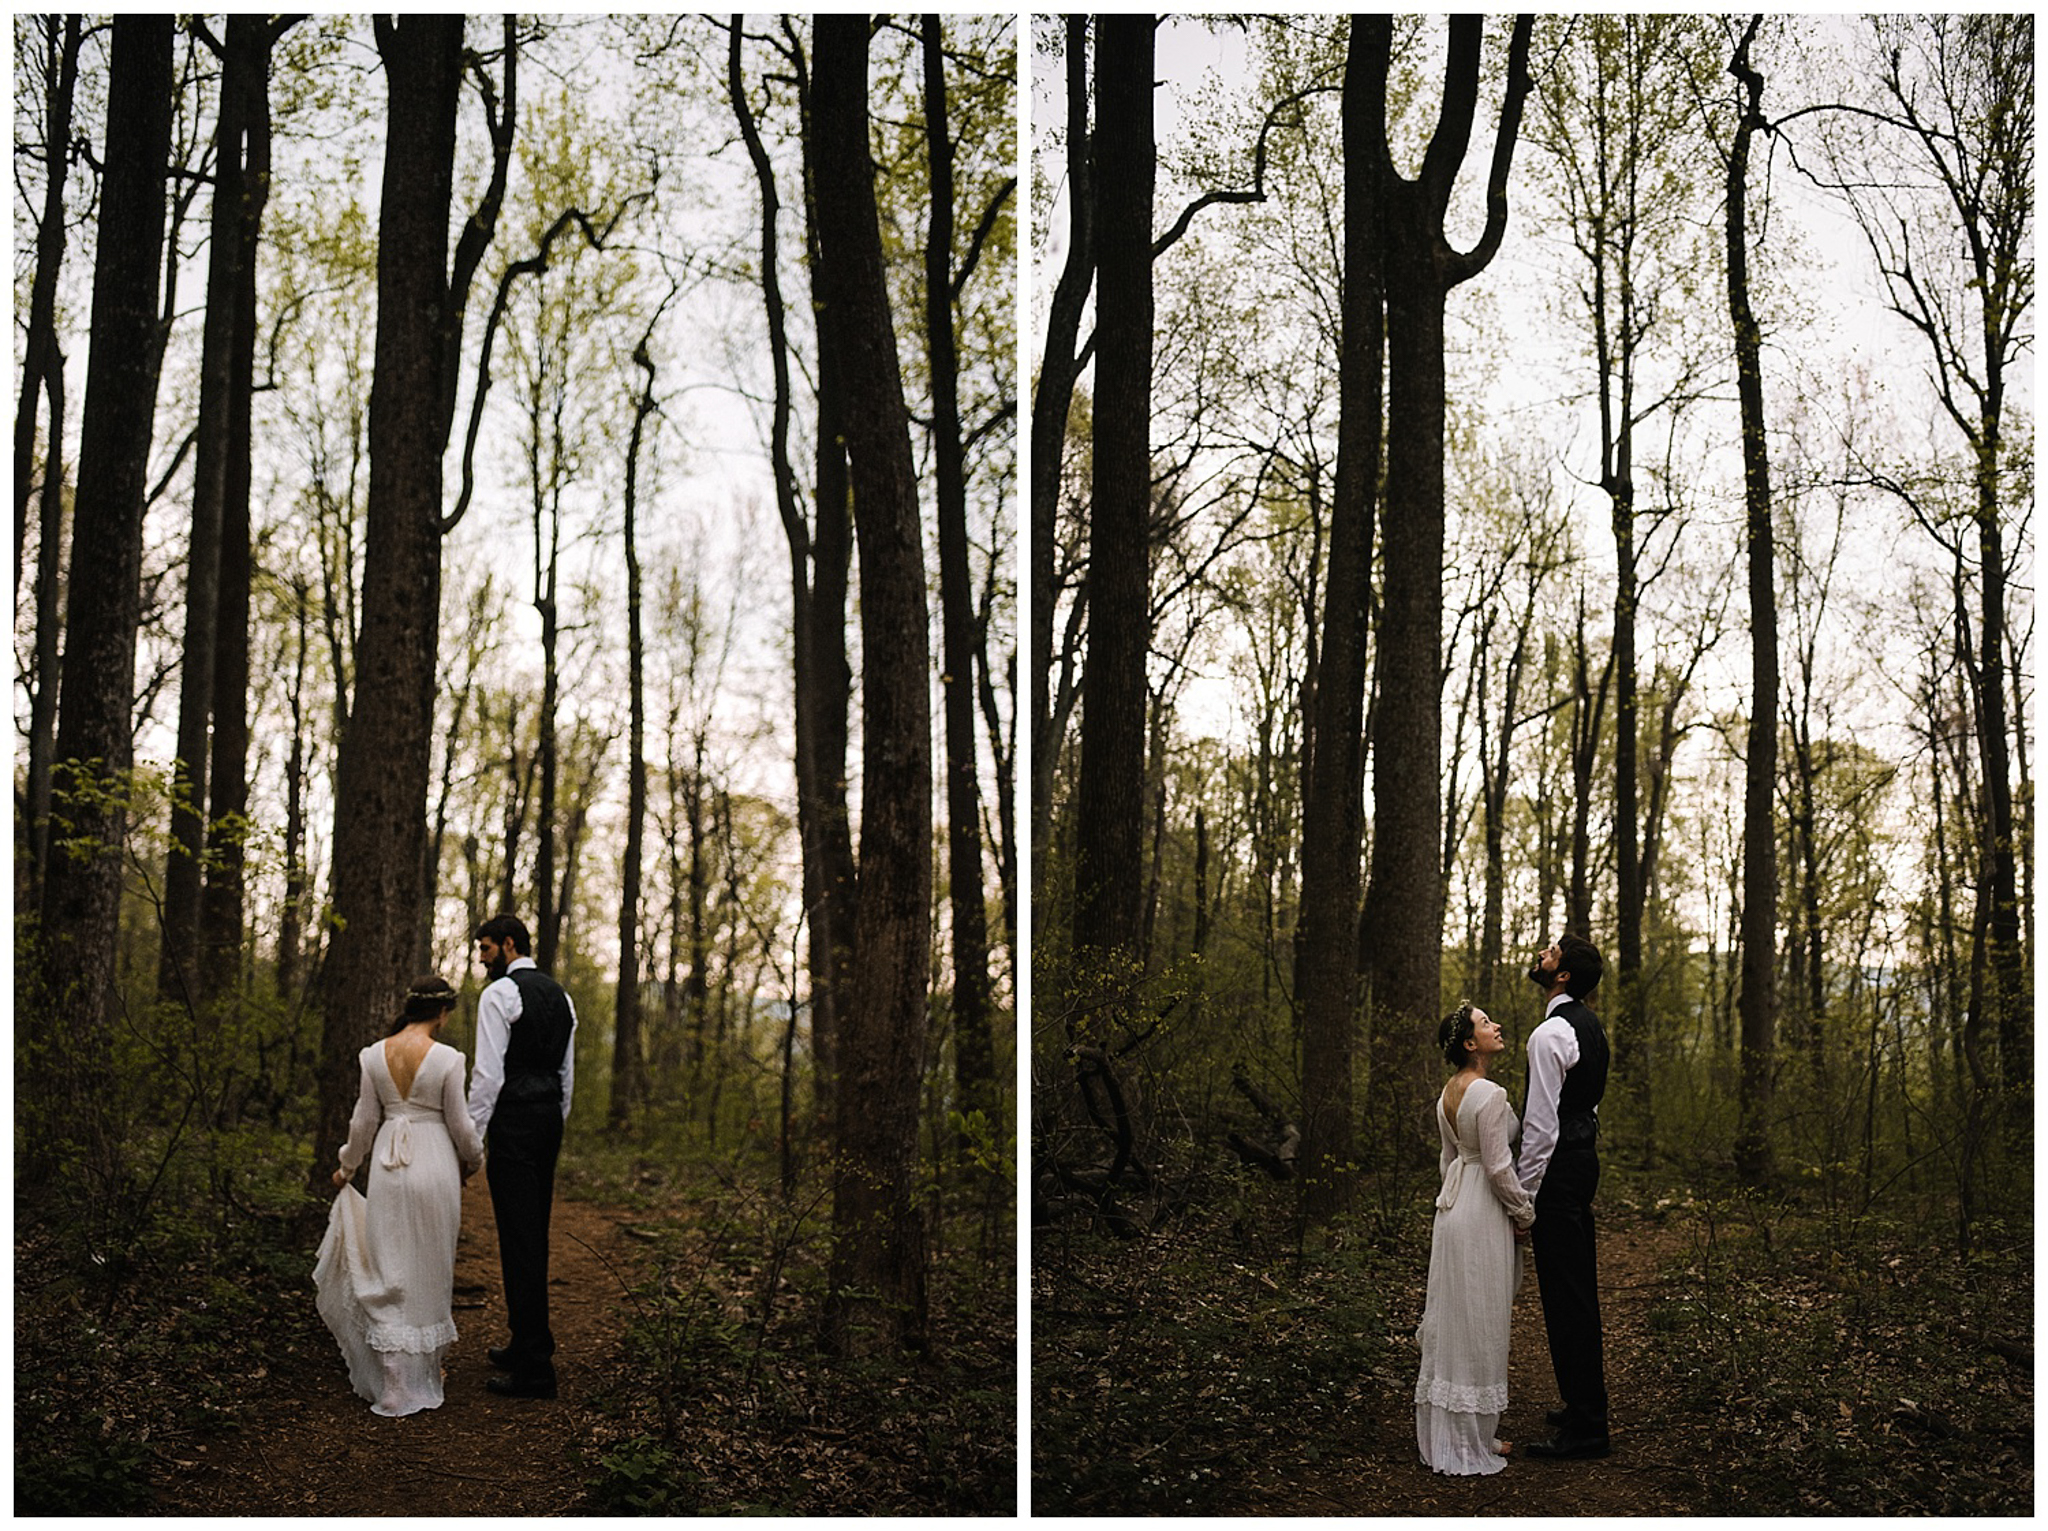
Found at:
<point>309,1446</point>
<point>193,1375</point>
<point>1763,1356</point>
<point>1655,1469</point>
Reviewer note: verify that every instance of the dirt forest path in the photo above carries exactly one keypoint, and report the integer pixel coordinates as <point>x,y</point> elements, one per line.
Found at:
<point>1650,1472</point>
<point>312,1447</point>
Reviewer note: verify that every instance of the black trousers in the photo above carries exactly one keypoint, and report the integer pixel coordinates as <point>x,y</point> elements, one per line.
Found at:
<point>1568,1280</point>
<point>525,1140</point>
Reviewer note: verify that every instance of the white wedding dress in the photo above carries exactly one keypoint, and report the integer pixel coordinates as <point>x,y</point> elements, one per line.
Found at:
<point>386,1269</point>
<point>1474,1271</point>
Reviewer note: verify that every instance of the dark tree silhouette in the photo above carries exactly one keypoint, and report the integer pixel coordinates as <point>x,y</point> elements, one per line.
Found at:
<point>384,761</point>
<point>1109,886</point>
<point>877,1282</point>
<point>629,1081</point>
<point>95,744</point>
<point>1758,1001</point>
<point>43,374</point>
<point>820,552</point>
<point>1059,368</point>
<point>213,676</point>
<point>1402,926</point>
<point>1333,811</point>
<point>39,349</point>
<point>973,1041</point>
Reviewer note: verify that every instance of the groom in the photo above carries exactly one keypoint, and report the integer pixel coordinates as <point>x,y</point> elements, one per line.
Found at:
<point>1559,1167</point>
<point>519,1100</point>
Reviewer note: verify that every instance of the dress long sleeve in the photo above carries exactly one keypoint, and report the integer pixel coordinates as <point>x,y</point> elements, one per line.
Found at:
<point>1496,1126</point>
<point>469,1144</point>
<point>362,1125</point>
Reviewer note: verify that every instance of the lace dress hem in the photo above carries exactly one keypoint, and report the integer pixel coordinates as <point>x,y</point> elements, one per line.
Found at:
<point>1462,1398</point>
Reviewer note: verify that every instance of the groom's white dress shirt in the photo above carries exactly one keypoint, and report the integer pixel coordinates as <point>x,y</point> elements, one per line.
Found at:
<point>1553,1049</point>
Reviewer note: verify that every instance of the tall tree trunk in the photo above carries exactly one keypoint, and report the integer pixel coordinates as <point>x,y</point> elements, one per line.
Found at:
<point>177,967</point>
<point>877,1282</point>
<point>546,565</point>
<point>39,350</point>
<point>1198,944</point>
<point>250,40</point>
<point>518,787</point>
<point>95,746</point>
<point>1403,932</point>
<point>42,730</point>
<point>1496,753</point>
<point>1588,702</point>
<point>696,987</point>
<point>629,1082</point>
<point>1334,812</point>
<point>2012,992</point>
<point>291,918</point>
<point>384,760</point>
<point>1059,369</point>
<point>1758,1004</point>
<point>1003,745</point>
<point>818,564</point>
<point>1630,1060</point>
<point>835,915</point>
<point>973,1036</point>
<point>1109,882</point>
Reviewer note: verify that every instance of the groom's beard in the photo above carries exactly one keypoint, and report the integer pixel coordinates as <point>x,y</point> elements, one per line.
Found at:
<point>1541,976</point>
<point>497,969</point>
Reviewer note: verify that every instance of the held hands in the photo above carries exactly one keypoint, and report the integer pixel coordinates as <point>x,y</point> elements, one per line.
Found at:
<point>1521,1235</point>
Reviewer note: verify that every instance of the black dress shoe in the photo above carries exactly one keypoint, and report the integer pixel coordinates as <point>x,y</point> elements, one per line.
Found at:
<point>1568,1448</point>
<point>1554,1418</point>
<point>521,1387</point>
<point>500,1356</point>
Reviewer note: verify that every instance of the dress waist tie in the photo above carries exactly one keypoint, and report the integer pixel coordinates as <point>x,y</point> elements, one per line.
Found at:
<point>398,1146</point>
<point>1454,1178</point>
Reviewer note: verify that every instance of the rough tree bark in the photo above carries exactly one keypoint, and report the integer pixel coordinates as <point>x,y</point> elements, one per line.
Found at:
<point>876,1295</point>
<point>1059,368</point>
<point>1403,934</point>
<point>250,41</point>
<point>973,1038</point>
<point>819,558</point>
<point>94,748</point>
<point>629,1082</point>
<point>1758,1004</point>
<point>177,973</point>
<point>382,772</point>
<point>1334,810</point>
<point>1109,882</point>
<point>39,348</point>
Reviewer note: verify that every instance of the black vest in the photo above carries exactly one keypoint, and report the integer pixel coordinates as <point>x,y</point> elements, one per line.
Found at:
<point>1585,1082</point>
<point>539,1038</point>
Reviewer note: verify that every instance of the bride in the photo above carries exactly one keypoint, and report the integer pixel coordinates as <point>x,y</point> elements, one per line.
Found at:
<point>1474,1268</point>
<point>386,1269</point>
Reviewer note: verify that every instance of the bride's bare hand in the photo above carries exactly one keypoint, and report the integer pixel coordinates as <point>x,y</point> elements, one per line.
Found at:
<point>340,1179</point>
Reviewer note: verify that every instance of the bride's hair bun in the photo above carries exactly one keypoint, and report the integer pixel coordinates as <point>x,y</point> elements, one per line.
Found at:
<point>1455,1032</point>
<point>425,997</point>
<point>430,986</point>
